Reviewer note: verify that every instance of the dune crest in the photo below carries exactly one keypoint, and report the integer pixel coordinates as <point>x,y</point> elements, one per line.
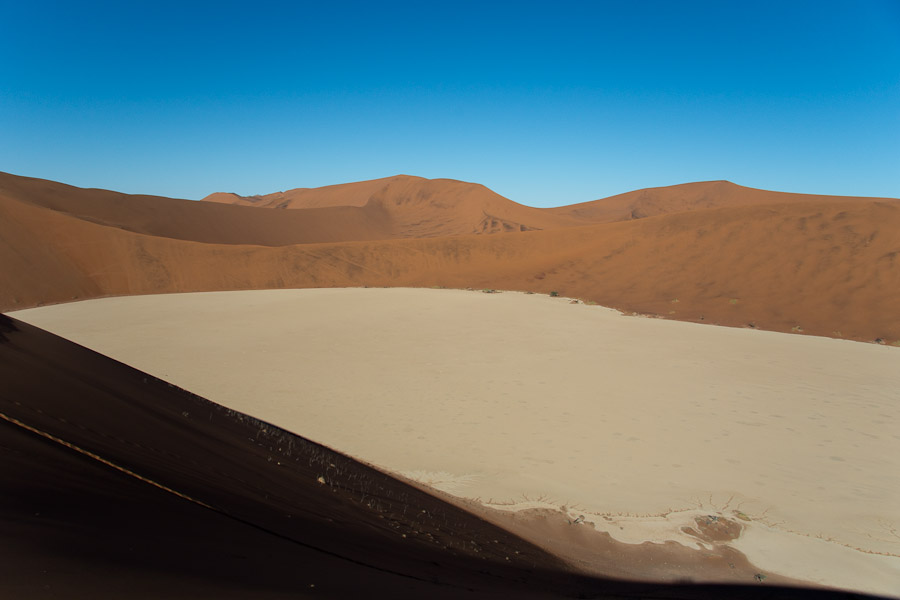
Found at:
<point>416,207</point>
<point>686,197</point>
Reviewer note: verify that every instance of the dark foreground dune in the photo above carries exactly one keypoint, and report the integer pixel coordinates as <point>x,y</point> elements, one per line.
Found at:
<point>116,484</point>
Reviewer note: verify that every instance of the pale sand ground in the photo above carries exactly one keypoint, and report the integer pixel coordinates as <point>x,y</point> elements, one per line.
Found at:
<point>525,400</point>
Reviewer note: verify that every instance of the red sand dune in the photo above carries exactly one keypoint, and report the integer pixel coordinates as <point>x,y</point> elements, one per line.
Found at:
<point>195,221</point>
<point>703,195</point>
<point>713,252</point>
<point>417,207</point>
<point>117,484</point>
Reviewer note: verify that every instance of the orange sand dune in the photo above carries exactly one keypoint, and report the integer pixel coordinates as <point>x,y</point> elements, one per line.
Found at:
<point>829,267</point>
<point>417,207</point>
<point>651,202</point>
<point>196,221</point>
<point>345,194</point>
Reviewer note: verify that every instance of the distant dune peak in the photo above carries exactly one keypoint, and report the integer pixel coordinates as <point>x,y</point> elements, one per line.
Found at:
<point>415,207</point>
<point>342,194</point>
<point>685,197</point>
<point>230,198</point>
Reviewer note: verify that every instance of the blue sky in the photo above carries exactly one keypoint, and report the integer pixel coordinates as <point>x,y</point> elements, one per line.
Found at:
<point>547,103</point>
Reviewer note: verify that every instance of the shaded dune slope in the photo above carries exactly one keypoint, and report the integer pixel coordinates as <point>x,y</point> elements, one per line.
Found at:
<point>825,267</point>
<point>234,473</point>
<point>119,484</point>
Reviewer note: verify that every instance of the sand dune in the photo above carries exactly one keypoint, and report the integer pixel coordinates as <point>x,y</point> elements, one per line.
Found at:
<point>704,195</point>
<point>117,484</point>
<point>829,267</point>
<point>418,207</point>
<point>397,207</point>
<point>712,253</point>
<point>194,221</point>
<point>346,194</point>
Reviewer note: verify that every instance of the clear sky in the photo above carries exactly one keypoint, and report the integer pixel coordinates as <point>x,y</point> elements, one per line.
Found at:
<point>546,103</point>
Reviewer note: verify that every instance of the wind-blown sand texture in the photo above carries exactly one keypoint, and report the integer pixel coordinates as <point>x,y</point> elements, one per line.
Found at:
<point>710,252</point>
<point>653,430</point>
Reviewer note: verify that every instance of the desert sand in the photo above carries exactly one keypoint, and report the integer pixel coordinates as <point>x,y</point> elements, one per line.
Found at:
<point>648,428</point>
<point>710,252</point>
<point>592,448</point>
